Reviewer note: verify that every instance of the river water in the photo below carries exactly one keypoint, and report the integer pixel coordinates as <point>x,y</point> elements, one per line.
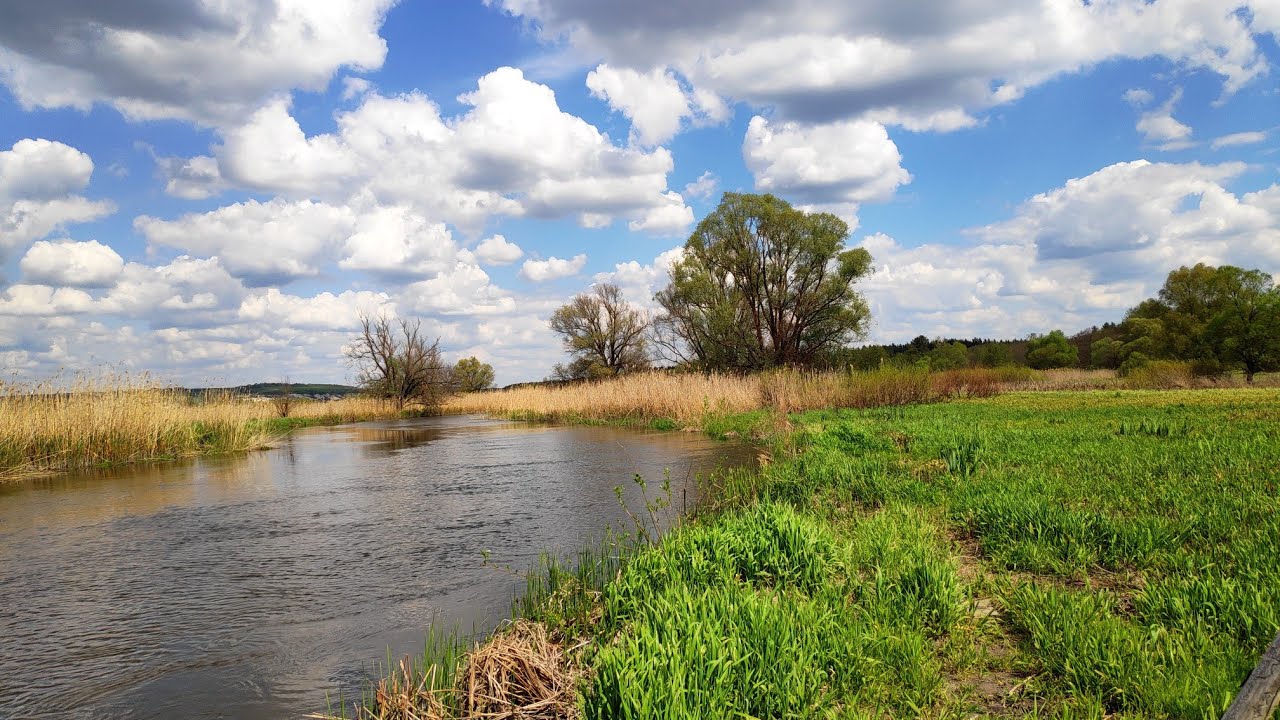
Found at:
<point>247,586</point>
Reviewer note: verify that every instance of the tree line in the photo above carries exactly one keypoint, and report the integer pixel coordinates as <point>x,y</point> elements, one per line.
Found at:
<point>762,284</point>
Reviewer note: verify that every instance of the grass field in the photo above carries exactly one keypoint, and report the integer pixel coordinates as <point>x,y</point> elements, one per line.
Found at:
<point>1032,555</point>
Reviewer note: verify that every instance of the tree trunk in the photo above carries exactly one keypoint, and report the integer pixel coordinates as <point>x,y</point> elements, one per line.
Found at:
<point>1260,695</point>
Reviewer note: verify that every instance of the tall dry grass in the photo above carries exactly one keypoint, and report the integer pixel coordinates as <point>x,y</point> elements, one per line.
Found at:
<point>89,421</point>
<point>689,399</point>
<point>685,398</point>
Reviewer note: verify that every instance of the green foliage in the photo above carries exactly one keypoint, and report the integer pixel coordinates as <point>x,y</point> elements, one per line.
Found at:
<point>472,375</point>
<point>1245,328</point>
<point>994,355</point>
<point>1051,351</point>
<point>1216,317</point>
<point>948,356</point>
<point>763,285</point>
<point>1105,353</point>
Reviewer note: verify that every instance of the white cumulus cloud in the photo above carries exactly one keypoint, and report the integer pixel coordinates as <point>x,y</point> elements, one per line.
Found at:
<point>39,180</point>
<point>497,250</point>
<point>553,268</point>
<point>211,62</point>
<point>74,264</point>
<point>834,166</point>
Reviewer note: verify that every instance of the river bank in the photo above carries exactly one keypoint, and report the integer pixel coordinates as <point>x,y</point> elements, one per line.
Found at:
<point>1048,554</point>
<point>243,585</point>
<point>122,421</point>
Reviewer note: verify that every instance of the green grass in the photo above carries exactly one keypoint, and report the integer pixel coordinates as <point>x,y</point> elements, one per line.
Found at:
<point>1126,541</point>
<point>1065,555</point>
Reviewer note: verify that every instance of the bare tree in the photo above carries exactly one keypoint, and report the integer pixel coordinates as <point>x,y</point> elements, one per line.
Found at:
<point>604,334</point>
<point>393,360</point>
<point>284,401</point>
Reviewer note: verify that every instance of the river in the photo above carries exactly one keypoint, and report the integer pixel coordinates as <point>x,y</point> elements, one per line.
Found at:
<point>247,586</point>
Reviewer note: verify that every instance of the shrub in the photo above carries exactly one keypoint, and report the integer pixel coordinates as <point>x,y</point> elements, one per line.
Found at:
<point>888,386</point>
<point>1161,375</point>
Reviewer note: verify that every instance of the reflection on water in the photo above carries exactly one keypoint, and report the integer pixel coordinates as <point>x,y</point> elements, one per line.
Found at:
<point>243,587</point>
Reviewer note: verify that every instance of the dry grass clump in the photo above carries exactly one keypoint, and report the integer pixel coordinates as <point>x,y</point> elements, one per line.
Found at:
<point>685,398</point>
<point>98,420</point>
<point>520,672</point>
<point>689,398</point>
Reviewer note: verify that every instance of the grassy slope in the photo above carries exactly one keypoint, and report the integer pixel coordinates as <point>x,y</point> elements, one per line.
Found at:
<point>1032,555</point>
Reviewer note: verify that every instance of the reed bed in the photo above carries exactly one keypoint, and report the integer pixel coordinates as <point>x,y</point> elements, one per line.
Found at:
<point>684,398</point>
<point>690,399</point>
<point>96,421</point>
<point>667,399</point>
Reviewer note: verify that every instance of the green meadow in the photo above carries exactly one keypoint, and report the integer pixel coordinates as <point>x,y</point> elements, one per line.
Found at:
<point>1033,555</point>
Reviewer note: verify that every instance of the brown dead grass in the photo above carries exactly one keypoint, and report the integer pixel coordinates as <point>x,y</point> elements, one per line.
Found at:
<point>114,419</point>
<point>520,672</point>
<point>685,398</point>
<point>689,398</point>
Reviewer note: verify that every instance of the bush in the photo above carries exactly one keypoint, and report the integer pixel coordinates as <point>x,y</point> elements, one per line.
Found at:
<point>1161,375</point>
<point>1051,351</point>
<point>1133,362</point>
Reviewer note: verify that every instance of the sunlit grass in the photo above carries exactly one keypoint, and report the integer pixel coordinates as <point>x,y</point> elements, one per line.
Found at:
<point>1095,554</point>
<point>108,420</point>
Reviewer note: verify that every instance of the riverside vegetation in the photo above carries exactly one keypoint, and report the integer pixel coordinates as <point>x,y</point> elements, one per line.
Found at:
<point>109,420</point>
<point>1088,554</point>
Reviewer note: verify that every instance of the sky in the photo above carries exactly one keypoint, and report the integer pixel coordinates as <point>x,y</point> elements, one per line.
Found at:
<point>213,191</point>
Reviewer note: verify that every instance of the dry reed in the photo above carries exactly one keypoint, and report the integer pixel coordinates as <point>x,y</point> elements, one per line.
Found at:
<point>690,398</point>
<point>521,672</point>
<point>89,421</point>
<point>685,398</point>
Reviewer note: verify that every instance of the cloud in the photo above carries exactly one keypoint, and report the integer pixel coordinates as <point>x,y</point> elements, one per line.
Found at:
<point>397,242</point>
<point>72,264</point>
<point>553,268</point>
<point>354,87</point>
<point>263,243</point>
<point>639,283</point>
<point>38,182</point>
<point>922,66</point>
<point>1074,256</point>
<point>671,218</point>
<point>1238,139</point>
<point>654,102</point>
<point>704,187</point>
<point>835,166</point>
<point>45,301</point>
<point>1138,97</point>
<point>1159,127</point>
<point>211,63</point>
<point>513,153</point>
<point>194,178</point>
<point>496,250</point>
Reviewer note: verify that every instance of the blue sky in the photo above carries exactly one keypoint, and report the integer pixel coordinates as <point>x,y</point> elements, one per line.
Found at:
<point>214,191</point>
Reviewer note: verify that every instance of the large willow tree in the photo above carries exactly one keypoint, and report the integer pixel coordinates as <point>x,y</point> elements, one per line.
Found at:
<point>762,284</point>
